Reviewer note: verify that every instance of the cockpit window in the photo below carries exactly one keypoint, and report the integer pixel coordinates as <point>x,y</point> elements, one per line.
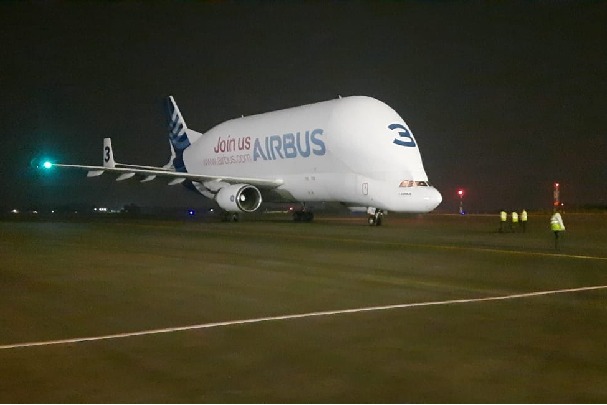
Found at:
<point>413,183</point>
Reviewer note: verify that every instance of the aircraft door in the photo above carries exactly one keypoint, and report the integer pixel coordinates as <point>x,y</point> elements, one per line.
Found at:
<point>362,187</point>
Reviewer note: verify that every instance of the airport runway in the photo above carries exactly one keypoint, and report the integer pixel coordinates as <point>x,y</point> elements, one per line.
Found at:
<point>425,309</point>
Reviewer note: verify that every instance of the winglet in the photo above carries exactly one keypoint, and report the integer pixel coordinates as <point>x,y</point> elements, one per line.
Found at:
<point>108,153</point>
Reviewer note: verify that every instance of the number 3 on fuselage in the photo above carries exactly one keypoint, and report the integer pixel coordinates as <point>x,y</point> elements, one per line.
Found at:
<point>405,136</point>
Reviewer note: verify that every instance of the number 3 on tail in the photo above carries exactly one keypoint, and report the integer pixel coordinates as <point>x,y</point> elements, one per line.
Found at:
<point>106,154</point>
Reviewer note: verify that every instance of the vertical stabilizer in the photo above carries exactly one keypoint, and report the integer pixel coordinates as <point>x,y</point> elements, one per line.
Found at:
<point>178,136</point>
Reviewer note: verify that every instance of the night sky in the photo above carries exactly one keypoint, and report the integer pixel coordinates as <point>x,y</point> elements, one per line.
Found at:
<point>504,98</point>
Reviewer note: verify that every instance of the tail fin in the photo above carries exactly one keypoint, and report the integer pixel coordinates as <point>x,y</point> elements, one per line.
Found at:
<point>108,153</point>
<point>108,158</point>
<point>178,137</point>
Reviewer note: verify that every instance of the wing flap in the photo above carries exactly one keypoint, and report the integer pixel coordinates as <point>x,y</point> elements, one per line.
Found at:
<point>94,173</point>
<point>177,180</point>
<point>125,176</point>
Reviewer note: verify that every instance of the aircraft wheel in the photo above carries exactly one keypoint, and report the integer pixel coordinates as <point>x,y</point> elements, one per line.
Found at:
<point>303,216</point>
<point>230,217</point>
<point>376,219</point>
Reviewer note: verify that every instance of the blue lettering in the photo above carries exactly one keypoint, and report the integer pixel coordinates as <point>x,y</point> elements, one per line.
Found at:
<point>276,146</point>
<point>288,143</point>
<point>405,135</point>
<point>318,142</point>
<point>268,151</point>
<point>258,151</point>
<point>303,153</point>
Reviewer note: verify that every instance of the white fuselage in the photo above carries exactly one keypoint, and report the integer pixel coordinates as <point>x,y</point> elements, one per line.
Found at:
<point>355,150</point>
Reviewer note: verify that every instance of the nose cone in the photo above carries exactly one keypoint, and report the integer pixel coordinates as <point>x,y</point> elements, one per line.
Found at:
<point>419,199</point>
<point>432,198</point>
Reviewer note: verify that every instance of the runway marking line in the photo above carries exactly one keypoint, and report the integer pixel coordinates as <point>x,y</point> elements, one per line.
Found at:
<point>296,316</point>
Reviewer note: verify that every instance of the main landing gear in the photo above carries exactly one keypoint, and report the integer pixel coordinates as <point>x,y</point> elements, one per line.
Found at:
<point>303,216</point>
<point>375,216</point>
<point>230,217</point>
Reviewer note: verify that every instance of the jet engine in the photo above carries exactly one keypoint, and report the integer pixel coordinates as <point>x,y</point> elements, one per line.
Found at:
<point>239,197</point>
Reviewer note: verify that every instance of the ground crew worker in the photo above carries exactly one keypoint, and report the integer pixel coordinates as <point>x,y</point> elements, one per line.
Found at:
<point>514,223</point>
<point>557,226</point>
<point>524,220</point>
<point>503,219</point>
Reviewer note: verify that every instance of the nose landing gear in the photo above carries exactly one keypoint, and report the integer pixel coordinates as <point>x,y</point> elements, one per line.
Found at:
<point>375,216</point>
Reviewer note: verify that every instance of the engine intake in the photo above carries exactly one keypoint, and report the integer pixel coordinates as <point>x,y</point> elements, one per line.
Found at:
<point>239,197</point>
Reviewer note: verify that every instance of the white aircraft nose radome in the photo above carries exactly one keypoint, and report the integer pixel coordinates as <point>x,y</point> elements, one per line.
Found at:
<point>433,199</point>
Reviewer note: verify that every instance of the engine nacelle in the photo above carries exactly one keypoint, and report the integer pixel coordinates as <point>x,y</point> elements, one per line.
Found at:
<point>239,197</point>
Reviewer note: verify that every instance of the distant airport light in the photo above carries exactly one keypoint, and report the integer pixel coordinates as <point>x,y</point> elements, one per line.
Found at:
<point>556,194</point>
<point>460,193</point>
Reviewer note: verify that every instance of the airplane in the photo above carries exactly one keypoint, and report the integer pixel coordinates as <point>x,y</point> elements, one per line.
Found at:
<point>353,150</point>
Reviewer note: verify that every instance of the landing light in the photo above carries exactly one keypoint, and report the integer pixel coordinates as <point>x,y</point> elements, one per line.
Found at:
<point>47,165</point>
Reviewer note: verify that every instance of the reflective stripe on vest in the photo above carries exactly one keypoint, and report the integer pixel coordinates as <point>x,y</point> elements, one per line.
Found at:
<point>555,225</point>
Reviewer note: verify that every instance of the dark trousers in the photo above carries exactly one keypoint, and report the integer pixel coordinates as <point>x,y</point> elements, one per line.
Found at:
<point>556,239</point>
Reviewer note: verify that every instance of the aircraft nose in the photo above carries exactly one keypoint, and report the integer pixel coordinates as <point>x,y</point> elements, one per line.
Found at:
<point>433,198</point>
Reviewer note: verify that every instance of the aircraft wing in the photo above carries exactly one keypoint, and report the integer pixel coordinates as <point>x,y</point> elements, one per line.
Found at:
<point>150,173</point>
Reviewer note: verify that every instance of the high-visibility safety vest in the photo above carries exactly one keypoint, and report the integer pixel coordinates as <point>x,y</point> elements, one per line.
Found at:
<point>503,216</point>
<point>524,216</point>
<point>514,217</point>
<point>556,222</point>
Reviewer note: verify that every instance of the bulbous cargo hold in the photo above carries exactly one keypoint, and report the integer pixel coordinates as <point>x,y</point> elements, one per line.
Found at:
<point>355,150</point>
